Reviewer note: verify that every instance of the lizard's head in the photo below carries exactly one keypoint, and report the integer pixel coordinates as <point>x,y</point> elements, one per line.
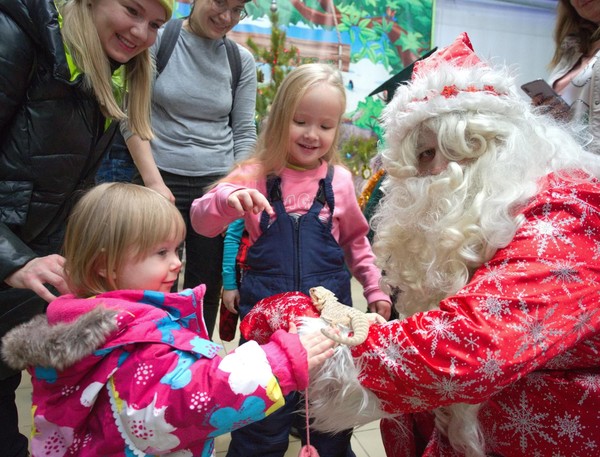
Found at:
<point>320,295</point>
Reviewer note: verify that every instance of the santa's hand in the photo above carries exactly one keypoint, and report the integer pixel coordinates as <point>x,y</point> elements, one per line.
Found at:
<point>375,318</point>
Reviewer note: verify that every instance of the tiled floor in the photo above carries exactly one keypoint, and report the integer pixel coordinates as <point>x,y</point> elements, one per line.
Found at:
<point>366,441</point>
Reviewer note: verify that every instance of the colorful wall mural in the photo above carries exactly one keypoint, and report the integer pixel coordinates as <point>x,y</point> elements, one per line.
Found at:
<point>370,41</point>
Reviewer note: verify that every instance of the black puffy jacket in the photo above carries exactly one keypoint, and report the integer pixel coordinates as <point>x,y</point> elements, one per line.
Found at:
<point>52,137</point>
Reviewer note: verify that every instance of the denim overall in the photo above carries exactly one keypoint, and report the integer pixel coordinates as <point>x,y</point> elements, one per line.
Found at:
<point>292,254</point>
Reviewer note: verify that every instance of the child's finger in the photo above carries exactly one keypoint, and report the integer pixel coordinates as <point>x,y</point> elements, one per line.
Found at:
<point>246,201</point>
<point>234,202</point>
<point>318,359</point>
<point>260,204</point>
<point>268,208</point>
<point>316,343</point>
<point>292,327</point>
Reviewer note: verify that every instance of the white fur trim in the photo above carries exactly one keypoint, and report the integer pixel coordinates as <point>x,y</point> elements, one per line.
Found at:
<point>337,400</point>
<point>480,88</point>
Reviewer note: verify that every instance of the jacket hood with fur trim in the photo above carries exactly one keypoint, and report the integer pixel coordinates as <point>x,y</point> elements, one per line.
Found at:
<point>37,343</point>
<point>74,328</point>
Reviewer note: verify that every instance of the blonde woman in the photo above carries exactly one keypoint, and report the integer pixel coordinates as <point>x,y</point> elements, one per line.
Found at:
<point>575,73</point>
<point>59,103</point>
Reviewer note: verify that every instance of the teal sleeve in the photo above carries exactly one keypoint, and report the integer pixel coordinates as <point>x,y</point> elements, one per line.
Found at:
<point>231,244</point>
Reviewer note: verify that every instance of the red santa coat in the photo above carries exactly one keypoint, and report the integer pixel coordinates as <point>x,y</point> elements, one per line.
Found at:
<point>522,338</point>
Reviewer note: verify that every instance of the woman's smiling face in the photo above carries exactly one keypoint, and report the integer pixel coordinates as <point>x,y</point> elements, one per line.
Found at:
<point>127,27</point>
<point>588,9</point>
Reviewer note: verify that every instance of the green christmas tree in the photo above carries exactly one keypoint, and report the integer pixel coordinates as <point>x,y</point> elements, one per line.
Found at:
<point>280,59</point>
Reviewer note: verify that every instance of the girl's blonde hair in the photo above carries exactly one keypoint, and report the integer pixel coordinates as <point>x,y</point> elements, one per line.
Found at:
<point>110,222</point>
<point>83,43</point>
<point>570,23</point>
<point>272,146</point>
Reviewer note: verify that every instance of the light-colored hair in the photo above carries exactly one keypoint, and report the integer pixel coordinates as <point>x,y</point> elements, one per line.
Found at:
<point>271,152</point>
<point>433,232</point>
<point>111,221</point>
<point>81,38</point>
<point>335,387</point>
<point>570,24</point>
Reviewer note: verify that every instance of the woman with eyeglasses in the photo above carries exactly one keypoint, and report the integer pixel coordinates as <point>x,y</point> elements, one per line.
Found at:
<point>65,67</point>
<point>202,125</point>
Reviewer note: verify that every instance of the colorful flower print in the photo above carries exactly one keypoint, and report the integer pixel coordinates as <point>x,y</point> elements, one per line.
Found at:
<point>248,367</point>
<point>227,419</point>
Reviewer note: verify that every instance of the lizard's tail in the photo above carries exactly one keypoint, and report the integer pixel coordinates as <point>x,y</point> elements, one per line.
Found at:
<point>337,400</point>
<point>342,339</point>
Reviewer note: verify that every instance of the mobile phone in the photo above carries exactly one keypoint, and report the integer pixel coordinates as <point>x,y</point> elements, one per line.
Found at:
<point>539,87</point>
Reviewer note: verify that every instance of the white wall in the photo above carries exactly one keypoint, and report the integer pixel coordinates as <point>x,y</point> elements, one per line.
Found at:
<point>512,34</point>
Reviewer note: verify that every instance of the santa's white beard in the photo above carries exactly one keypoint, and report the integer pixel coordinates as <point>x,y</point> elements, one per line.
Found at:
<point>428,241</point>
<point>427,236</point>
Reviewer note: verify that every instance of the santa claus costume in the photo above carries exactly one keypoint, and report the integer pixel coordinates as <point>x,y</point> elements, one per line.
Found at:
<point>490,228</point>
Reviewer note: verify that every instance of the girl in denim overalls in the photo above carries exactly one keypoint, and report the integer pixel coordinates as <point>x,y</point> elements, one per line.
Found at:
<point>305,227</point>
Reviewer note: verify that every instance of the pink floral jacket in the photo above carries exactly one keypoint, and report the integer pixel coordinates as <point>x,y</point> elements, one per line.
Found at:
<point>133,373</point>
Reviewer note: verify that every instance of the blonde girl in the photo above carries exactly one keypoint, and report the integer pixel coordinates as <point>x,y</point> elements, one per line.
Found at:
<point>305,226</point>
<point>123,366</point>
<point>101,244</point>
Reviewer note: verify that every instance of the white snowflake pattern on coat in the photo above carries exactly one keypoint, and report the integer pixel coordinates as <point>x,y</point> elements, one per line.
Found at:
<point>522,338</point>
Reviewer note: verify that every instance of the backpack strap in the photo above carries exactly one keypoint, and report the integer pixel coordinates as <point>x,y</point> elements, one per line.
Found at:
<point>168,40</point>
<point>235,63</point>
<point>167,43</point>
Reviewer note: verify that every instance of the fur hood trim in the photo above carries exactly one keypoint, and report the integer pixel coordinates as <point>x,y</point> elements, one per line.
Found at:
<point>37,343</point>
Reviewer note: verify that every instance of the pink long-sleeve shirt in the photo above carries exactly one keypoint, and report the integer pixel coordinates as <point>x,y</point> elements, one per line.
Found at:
<point>211,214</point>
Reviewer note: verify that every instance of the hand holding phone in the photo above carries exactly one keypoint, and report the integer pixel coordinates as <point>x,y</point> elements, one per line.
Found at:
<point>542,94</point>
<point>539,87</point>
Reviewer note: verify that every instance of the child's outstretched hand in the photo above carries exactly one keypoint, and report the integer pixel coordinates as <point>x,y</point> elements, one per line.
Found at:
<point>318,347</point>
<point>245,200</point>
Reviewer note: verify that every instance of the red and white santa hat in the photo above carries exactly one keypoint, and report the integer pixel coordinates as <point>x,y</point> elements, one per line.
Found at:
<point>451,79</point>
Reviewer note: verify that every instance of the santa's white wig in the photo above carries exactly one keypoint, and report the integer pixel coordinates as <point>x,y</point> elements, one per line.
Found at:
<point>432,232</point>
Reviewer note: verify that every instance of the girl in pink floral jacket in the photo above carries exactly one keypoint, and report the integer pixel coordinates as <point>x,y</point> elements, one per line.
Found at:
<point>122,366</point>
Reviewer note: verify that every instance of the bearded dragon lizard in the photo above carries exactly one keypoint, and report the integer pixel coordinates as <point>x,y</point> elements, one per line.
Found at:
<point>335,313</point>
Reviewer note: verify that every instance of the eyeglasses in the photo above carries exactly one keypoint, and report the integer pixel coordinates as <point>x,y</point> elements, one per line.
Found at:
<point>221,6</point>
